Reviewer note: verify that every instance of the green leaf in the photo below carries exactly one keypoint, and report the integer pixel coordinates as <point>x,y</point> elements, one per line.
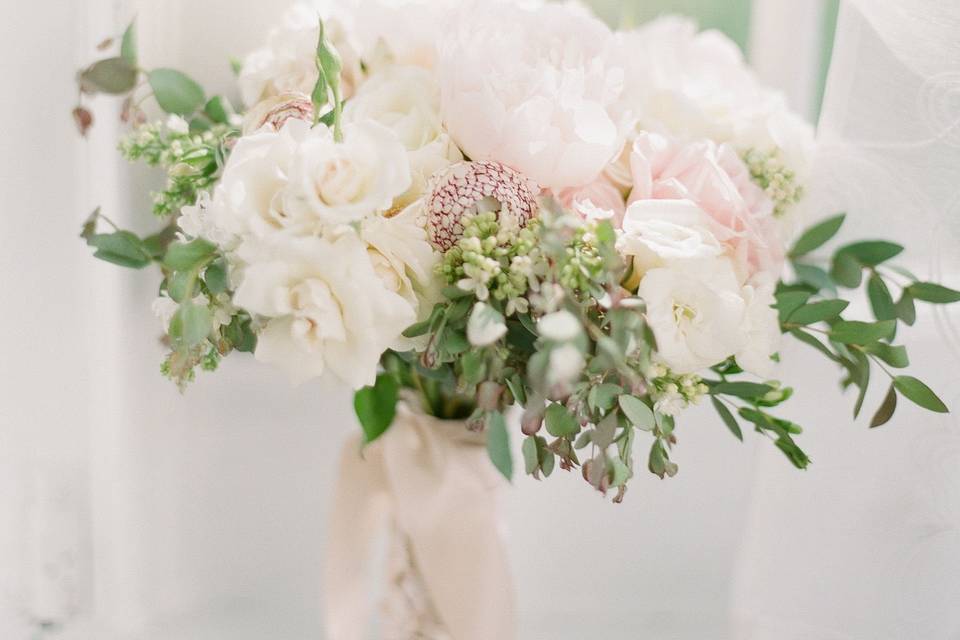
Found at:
<point>817,236</point>
<point>894,355</point>
<point>932,292</point>
<point>818,312</point>
<point>184,256</point>
<point>515,384</point>
<point>747,390</point>
<point>418,329</point>
<point>190,325</point>
<point>473,365</point>
<point>728,418</point>
<point>790,301</point>
<point>861,379</point>
<point>814,342</point>
<point>239,333</point>
<point>215,277</point>
<point>870,253</point>
<point>175,92</point>
<point>128,45</point>
<point>815,277</point>
<point>880,299</point>
<point>919,393</point>
<point>846,271</point>
<point>560,422</point>
<point>906,309</point>
<point>454,342</point>
<point>887,407</point>
<point>794,453</point>
<point>531,458</point>
<point>659,463</point>
<point>603,396</point>
<point>157,243</point>
<point>114,76</point>
<point>637,412</point>
<point>178,284</point>
<point>218,109</point>
<point>861,333</point>
<point>498,444</point>
<point>121,248</point>
<point>376,406</point>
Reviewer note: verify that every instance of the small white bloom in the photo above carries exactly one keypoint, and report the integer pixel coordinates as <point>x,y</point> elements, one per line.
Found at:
<point>177,124</point>
<point>485,325</point>
<point>566,363</point>
<point>761,328</point>
<point>560,326</point>
<point>660,233</point>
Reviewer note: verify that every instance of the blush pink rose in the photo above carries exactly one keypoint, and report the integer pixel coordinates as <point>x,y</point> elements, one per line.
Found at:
<point>716,180</point>
<point>601,193</point>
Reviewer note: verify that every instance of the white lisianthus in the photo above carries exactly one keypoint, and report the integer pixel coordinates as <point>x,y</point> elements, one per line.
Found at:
<point>761,328</point>
<point>335,183</point>
<point>566,363</point>
<point>325,307</point>
<point>532,86</point>
<point>287,63</point>
<point>658,233</point>
<point>406,100</point>
<point>485,325</point>
<point>696,312</point>
<point>559,326</point>
<point>201,220</point>
<point>399,31</point>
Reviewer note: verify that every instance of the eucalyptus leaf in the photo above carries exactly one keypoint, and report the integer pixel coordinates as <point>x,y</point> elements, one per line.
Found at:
<point>747,390</point>
<point>894,355</point>
<point>932,292</point>
<point>906,309</point>
<point>498,444</point>
<point>215,277</point>
<point>818,312</point>
<point>919,393</point>
<point>122,248</point>
<point>870,253</point>
<point>880,299</point>
<point>860,333</point>
<point>637,412</point>
<point>817,236</point>
<point>184,256</point>
<point>190,325</point>
<point>846,270</point>
<point>560,422</point>
<point>886,410</point>
<point>114,76</point>
<point>728,418</point>
<point>128,45</point>
<point>175,91</point>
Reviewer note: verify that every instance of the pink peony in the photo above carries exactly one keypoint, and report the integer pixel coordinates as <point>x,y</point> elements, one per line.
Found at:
<point>716,180</point>
<point>602,194</point>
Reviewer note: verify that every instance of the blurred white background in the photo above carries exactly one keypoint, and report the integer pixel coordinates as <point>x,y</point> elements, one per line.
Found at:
<point>129,511</point>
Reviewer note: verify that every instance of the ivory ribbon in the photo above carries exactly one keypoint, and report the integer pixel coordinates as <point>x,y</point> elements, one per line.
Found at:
<point>434,479</point>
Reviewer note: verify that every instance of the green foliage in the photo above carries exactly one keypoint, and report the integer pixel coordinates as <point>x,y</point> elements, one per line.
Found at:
<point>728,418</point>
<point>327,89</point>
<point>128,45</point>
<point>560,422</point>
<point>817,236</point>
<point>932,292</point>
<point>113,76</point>
<point>498,444</point>
<point>637,412</point>
<point>175,91</point>
<point>919,393</point>
<point>376,406</point>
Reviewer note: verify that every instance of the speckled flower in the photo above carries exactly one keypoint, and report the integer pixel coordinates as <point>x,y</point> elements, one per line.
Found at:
<point>275,111</point>
<point>470,187</point>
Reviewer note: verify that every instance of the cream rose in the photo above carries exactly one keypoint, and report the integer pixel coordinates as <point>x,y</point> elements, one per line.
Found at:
<point>325,308</point>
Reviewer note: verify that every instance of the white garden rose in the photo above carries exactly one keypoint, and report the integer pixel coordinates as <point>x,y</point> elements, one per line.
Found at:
<point>658,233</point>
<point>287,63</point>
<point>761,329</point>
<point>406,100</point>
<point>695,311</point>
<point>532,86</point>
<point>335,183</point>
<point>325,307</point>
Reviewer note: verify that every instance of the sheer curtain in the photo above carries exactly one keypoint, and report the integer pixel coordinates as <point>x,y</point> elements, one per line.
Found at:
<point>866,544</point>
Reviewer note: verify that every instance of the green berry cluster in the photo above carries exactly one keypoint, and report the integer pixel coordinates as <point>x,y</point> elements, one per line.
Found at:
<point>769,171</point>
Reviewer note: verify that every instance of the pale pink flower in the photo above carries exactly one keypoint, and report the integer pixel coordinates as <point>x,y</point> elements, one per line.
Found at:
<point>600,194</point>
<point>716,180</point>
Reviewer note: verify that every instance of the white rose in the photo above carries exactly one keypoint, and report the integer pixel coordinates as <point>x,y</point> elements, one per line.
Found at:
<point>326,308</point>
<point>406,100</point>
<point>695,313</point>
<point>287,63</point>
<point>533,87</point>
<point>399,31</point>
<point>339,183</point>
<point>659,233</point>
<point>761,329</point>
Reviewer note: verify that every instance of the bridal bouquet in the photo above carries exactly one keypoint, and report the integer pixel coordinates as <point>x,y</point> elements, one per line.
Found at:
<point>485,204</point>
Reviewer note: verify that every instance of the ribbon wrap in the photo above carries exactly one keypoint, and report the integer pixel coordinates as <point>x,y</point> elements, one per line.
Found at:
<point>432,479</point>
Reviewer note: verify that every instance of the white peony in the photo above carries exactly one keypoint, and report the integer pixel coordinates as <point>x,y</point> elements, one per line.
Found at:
<point>287,63</point>
<point>696,313</point>
<point>697,85</point>
<point>337,183</point>
<point>326,308</point>
<point>399,31</point>
<point>406,100</point>
<point>531,86</point>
